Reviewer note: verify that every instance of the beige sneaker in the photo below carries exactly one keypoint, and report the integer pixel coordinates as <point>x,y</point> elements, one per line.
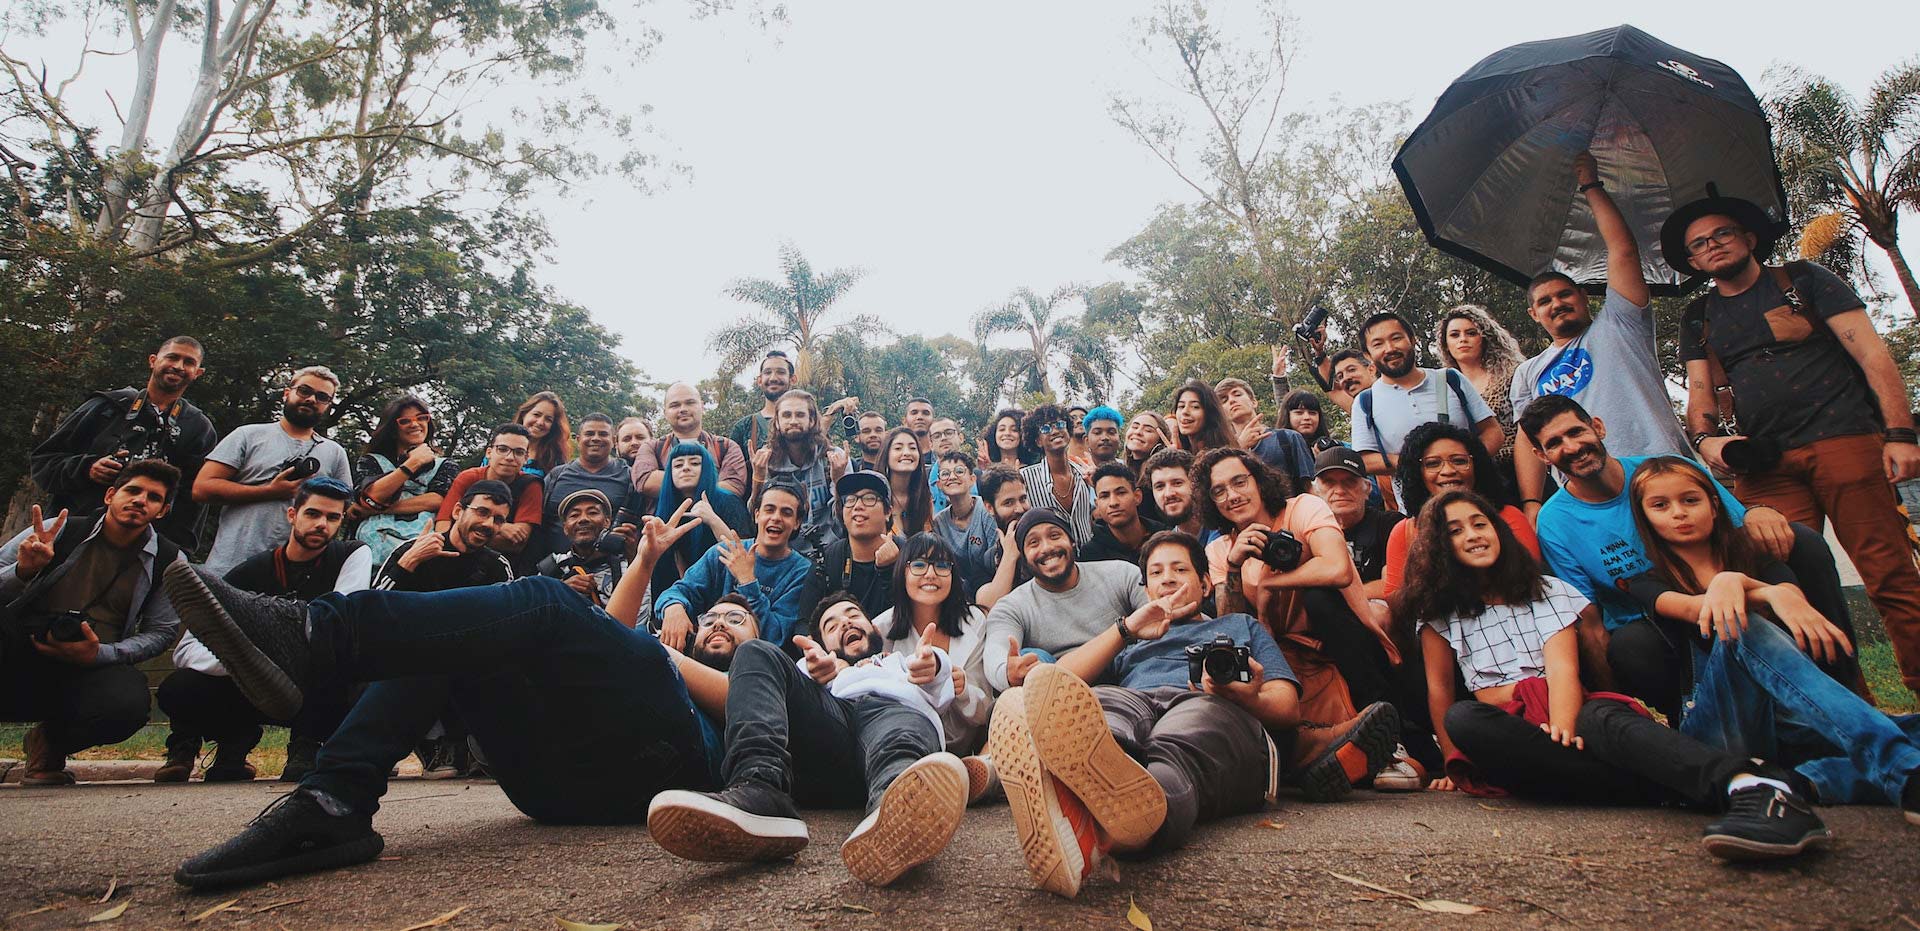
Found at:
<point>1058,838</point>
<point>1070,734</point>
<point>915,820</point>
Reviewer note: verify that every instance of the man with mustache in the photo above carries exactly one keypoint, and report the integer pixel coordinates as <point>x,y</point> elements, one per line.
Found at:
<point>77,463</point>
<point>79,608</point>
<point>629,436</point>
<point>1812,382</point>
<point>1406,396</point>
<point>520,538</point>
<point>586,517</point>
<point>256,469</point>
<point>200,699</point>
<point>597,469</point>
<point>1167,481</point>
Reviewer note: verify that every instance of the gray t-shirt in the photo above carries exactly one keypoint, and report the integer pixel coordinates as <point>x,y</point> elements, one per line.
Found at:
<point>1031,616</point>
<point>1612,371</point>
<point>256,452</point>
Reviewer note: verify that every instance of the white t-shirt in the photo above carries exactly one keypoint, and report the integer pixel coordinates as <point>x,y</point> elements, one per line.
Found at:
<point>1507,643</point>
<point>255,452</point>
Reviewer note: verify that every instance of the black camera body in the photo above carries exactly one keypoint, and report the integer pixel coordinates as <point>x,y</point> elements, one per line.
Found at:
<point>1222,659</point>
<point>1751,455</point>
<point>849,426</point>
<point>302,467</point>
<point>134,445</point>
<point>611,544</point>
<point>1282,552</point>
<point>1312,321</point>
<point>55,628</point>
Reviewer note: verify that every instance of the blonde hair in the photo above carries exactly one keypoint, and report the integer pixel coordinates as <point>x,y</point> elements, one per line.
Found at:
<point>1500,353</point>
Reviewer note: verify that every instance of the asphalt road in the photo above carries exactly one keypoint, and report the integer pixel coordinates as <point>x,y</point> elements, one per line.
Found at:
<point>461,845</point>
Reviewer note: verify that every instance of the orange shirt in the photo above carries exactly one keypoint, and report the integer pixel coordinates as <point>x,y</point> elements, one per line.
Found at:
<point>1282,613</point>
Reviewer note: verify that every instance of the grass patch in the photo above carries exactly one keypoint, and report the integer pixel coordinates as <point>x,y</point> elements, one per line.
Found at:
<point>1883,676</point>
<point>150,743</point>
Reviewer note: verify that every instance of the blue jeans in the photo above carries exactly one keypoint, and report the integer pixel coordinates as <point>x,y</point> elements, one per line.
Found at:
<point>581,719</point>
<point>1759,696</point>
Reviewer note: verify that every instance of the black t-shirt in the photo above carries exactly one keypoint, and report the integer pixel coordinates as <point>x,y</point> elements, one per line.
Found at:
<point>1103,545</point>
<point>474,567</point>
<point>837,570</point>
<point>1367,541</point>
<point>1792,380</point>
<point>305,580</point>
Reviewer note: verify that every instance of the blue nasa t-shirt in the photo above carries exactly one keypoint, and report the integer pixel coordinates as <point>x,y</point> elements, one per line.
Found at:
<point>1612,371</point>
<point>1595,547</point>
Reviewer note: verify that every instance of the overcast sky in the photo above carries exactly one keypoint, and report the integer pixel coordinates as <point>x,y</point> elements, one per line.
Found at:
<point>958,151</point>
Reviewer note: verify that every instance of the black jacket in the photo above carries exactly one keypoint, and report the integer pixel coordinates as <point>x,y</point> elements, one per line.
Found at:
<point>97,428</point>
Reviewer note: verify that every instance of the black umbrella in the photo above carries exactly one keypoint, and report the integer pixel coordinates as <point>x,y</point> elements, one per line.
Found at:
<point>1489,172</point>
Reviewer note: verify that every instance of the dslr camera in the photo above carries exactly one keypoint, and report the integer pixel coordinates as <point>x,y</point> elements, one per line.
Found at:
<point>303,468</point>
<point>132,446</point>
<point>1282,552</point>
<point>55,628</point>
<point>849,426</point>
<point>1222,659</point>
<point>1303,331</point>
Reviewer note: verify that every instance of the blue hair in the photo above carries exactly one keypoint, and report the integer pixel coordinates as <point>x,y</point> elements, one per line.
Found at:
<point>1103,412</point>
<point>701,538</point>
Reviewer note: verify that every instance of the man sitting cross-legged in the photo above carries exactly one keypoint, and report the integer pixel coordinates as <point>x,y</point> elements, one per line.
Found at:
<point>795,733</point>
<point>1148,757</point>
<point>581,716</point>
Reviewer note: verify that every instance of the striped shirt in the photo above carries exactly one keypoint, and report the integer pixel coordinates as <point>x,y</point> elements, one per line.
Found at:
<point>1039,484</point>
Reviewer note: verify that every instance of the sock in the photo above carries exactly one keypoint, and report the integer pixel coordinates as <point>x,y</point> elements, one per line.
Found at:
<point>1747,782</point>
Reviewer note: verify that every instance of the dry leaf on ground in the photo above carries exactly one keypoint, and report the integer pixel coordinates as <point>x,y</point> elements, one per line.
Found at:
<point>850,907</point>
<point>435,921</point>
<point>1425,905</point>
<point>566,925</point>
<point>112,913</point>
<point>1276,825</point>
<point>1138,918</point>
<point>112,884</point>
<point>209,913</point>
<point>283,903</point>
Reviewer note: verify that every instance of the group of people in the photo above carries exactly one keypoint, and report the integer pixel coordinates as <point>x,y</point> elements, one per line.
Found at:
<point>1516,576</point>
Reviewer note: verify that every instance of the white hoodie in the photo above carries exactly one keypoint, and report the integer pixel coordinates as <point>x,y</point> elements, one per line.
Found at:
<point>886,676</point>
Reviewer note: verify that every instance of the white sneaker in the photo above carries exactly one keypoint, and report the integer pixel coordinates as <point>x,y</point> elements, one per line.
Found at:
<point>1404,774</point>
<point>914,821</point>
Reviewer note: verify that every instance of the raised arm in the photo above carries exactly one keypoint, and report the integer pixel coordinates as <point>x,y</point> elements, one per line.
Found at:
<point>1623,253</point>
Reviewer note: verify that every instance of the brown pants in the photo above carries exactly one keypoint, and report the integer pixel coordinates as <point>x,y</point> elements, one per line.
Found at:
<point>1843,478</point>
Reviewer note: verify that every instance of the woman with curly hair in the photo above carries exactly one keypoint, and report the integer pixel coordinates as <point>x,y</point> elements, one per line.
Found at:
<point>1003,443</point>
<point>1469,339</point>
<point>1437,458</point>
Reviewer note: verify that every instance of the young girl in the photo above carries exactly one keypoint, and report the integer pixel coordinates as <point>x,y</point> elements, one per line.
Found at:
<point>1001,445</point>
<point>1488,616</point>
<point>1755,630</point>
<point>929,606</point>
<point>1437,458</point>
<point>906,473</point>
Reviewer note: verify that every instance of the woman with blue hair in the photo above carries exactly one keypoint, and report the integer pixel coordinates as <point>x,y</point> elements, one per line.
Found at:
<point>692,474</point>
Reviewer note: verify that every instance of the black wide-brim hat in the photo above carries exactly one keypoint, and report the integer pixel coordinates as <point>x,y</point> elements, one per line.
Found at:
<point>1673,233</point>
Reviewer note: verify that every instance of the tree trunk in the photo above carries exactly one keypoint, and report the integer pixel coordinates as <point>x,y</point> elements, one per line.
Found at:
<point>1891,245</point>
<point>133,138</point>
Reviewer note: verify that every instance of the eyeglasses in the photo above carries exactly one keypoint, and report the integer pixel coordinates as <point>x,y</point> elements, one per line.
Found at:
<point>947,432</point>
<point>955,474</point>
<point>733,618</point>
<point>412,421</point>
<point>1721,236</point>
<point>1433,463</point>
<point>306,391</point>
<point>924,566</point>
<point>517,452</point>
<point>864,499</point>
<point>1050,427</point>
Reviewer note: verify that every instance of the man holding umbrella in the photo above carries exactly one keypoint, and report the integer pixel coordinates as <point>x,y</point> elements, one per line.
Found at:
<point>1605,363</point>
<point>1819,423</point>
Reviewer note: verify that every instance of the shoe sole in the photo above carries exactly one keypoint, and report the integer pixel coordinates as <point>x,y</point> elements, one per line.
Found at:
<point>918,816</point>
<point>1070,733</point>
<point>692,826</point>
<point>1913,817</point>
<point>262,681</point>
<point>1738,849</point>
<point>1376,734</point>
<point>1046,841</point>
<point>980,777</point>
<point>327,858</point>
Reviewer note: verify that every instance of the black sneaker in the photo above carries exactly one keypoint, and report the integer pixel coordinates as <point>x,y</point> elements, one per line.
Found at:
<point>746,821</point>
<point>302,754</point>
<point>261,640</point>
<point>1764,823</point>
<point>300,832</point>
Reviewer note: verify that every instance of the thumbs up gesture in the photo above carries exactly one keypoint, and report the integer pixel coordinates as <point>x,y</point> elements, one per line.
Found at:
<point>923,665</point>
<point>1018,664</point>
<point>821,665</point>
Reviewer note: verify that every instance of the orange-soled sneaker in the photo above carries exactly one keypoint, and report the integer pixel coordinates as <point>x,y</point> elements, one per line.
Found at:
<point>1058,836</point>
<point>1070,734</point>
<point>982,781</point>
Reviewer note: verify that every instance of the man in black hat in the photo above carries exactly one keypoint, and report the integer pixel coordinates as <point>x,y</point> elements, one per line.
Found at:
<point>861,563</point>
<point>1819,423</point>
<point>1607,363</point>
<point>1066,603</point>
<point>1340,479</point>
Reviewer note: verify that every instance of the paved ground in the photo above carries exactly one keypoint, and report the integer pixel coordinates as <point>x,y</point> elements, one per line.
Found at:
<point>461,845</point>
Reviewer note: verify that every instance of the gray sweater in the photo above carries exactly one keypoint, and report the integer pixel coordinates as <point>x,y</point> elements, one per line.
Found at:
<point>1031,616</point>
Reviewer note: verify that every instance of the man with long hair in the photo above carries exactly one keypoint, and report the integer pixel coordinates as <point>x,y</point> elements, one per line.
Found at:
<point>800,457</point>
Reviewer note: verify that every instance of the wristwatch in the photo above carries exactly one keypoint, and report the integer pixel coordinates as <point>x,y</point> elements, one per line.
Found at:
<point>1699,438</point>
<point>1127,637</point>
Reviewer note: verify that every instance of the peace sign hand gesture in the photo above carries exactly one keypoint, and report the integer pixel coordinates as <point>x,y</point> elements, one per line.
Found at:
<point>36,551</point>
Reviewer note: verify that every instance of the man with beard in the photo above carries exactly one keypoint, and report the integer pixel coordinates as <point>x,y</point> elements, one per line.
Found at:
<point>543,677</point>
<point>755,430</point>
<point>588,569</point>
<point>1118,527</point>
<point>76,464</point>
<point>1005,494</point>
<point>1066,604</point>
<point>1588,538</point>
<point>765,570</point>
<point>1166,479</point>
<point>800,457</point>
<point>1103,425</point>
<point>860,563</point>
<point>869,440</point>
<point>849,726</point>
<point>459,556</point>
<point>1406,396</point>
<point>686,411</point>
<point>1823,417</point>
<point>598,469</point>
<point>257,468</point>
<point>520,538</point>
<point>1608,363</point>
<point>632,433</point>
<point>200,699</point>
<point>78,610</point>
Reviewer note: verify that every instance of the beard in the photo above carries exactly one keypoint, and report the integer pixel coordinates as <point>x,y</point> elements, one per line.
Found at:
<point>1730,268</point>
<point>1405,365</point>
<point>300,414</point>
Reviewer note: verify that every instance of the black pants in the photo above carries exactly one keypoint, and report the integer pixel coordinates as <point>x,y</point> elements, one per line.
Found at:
<point>200,707</point>
<point>1651,658</point>
<point>1350,643</point>
<point>788,731</point>
<point>1629,759</point>
<point>1210,756</point>
<point>78,706</point>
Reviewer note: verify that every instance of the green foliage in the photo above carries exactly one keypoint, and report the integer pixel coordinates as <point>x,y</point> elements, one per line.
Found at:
<point>791,312</point>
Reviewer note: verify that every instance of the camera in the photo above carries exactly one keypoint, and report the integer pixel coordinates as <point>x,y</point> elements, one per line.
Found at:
<point>1315,317</point>
<point>1282,552</point>
<point>134,444</point>
<point>849,426</point>
<point>57,628</point>
<point>611,544</point>
<point>1222,660</point>
<point>303,468</point>
<point>1324,443</point>
<point>1751,455</point>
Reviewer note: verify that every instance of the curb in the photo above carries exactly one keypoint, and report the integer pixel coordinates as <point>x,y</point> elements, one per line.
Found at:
<point>11,771</point>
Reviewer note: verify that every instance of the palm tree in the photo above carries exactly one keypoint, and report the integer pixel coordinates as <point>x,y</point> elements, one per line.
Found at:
<point>791,313</point>
<point>1850,167</point>
<point>1084,353</point>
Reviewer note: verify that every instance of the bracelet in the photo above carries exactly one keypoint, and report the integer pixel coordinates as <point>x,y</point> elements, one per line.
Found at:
<point>1699,438</point>
<point>402,467</point>
<point>1590,185</point>
<point>1533,501</point>
<point>1127,637</point>
<point>1902,435</point>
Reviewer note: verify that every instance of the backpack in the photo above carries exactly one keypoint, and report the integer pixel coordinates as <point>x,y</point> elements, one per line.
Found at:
<point>1783,276</point>
<point>1365,402</point>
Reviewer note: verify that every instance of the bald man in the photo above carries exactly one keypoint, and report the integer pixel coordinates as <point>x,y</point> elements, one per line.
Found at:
<point>685,412</point>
